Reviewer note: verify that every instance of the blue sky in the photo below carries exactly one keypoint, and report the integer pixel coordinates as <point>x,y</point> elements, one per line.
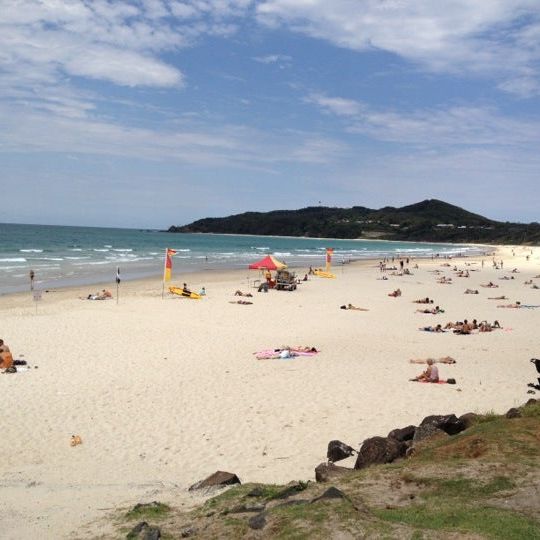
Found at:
<point>157,112</point>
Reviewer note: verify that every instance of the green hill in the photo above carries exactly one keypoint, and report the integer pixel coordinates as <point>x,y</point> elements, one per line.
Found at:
<point>430,220</point>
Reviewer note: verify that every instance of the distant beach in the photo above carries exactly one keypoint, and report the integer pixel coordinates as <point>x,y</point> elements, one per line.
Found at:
<point>70,256</point>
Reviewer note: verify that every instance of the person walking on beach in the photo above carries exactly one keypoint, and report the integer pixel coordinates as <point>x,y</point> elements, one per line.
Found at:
<point>32,275</point>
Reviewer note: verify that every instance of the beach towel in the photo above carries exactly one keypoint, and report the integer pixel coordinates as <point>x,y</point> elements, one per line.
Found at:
<point>273,353</point>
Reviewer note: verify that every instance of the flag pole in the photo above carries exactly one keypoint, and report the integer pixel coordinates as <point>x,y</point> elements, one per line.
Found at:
<point>117,284</point>
<point>163,280</point>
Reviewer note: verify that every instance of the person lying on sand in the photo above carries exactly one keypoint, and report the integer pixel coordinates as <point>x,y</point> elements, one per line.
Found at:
<point>490,285</point>
<point>433,311</point>
<point>240,293</point>
<point>105,294</point>
<point>350,306</point>
<point>445,281</point>
<point>497,297</point>
<point>395,293</point>
<point>443,360</point>
<point>515,305</point>
<point>486,327</point>
<point>425,300</point>
<point>437,328</point>
<point>529,282</point>
<point>471,291</point>
<point>431,374</point>
<point>243,302</point>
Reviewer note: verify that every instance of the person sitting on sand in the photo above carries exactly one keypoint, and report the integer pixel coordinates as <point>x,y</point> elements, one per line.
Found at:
<point>6,359</point>
<point>431,374</point>
<point>185,289</point>
<point>515,305</point>
<point>471,291</point>
<point>202,292</point>
<point>465,329</point>
<point>437,328</point>
<point>425,300</point>
<point>443,360</point>
<point>395,293</point>
<point>105,294</point>
<point>305,278</point>
<point>240,293</point>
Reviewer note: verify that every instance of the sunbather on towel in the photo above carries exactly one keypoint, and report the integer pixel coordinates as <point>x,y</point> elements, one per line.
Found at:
<point>437,328</point>
<point>443,360</point>
<point>431,374</point>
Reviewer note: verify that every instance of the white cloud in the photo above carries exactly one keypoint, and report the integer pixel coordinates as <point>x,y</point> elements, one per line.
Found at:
<point>496,38</point>
<point>273,59</point>
<point>455,125</point>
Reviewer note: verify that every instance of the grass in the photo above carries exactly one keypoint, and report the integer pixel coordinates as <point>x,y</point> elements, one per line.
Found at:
<point>490,522</point>
<point>148,511</point>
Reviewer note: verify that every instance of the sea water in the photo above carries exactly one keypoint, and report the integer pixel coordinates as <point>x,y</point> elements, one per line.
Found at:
<point>65,256</point>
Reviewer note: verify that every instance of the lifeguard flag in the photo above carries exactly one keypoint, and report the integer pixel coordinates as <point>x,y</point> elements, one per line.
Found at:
<point>329,253</point>
<point>168,264</point>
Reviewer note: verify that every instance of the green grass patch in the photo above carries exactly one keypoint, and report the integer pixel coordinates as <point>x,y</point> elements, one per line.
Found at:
<point>490,522</point>
<point>148,511</point>
<point>531,411</point>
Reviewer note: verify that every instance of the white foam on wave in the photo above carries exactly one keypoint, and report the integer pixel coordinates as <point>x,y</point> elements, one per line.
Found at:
<point>48,259</point>
<point>75,249</point>
<point>31,250</point>
<point>182,250</point>
<point>98,249</point>
<point>122,249</point>
<point>75,258</point>
<point>107,245</point>
<point>282,254</point>
<point>13,259</point>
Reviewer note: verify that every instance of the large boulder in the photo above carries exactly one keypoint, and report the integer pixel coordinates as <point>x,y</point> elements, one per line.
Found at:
<point>218,479</point>
<point>338,450</point>
<point>449,423</point>
<point>402,434</point>
<point>468,419</point>
<point>513,413</point>
<point>379,450</point>
<point>426,432</point>
<point>328,471</point>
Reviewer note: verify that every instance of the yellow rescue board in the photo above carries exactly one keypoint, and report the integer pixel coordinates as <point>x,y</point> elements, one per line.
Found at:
<point>180,292</point>
<point>320,273</point>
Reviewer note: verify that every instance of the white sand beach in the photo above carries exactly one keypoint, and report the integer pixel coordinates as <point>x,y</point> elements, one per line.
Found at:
<point>164,392</point>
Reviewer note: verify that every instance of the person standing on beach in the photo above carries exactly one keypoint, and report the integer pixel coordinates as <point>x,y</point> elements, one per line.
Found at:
<point>32,275</point>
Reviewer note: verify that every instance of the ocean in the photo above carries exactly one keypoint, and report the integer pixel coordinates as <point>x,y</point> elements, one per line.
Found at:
<point>63,256</point>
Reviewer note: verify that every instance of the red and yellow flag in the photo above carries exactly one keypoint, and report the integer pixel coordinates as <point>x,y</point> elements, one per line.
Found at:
<point>168,264</point>
<point>329,253</point>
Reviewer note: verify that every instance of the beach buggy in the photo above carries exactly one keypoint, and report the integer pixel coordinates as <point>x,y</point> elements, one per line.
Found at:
<point>285,280</point>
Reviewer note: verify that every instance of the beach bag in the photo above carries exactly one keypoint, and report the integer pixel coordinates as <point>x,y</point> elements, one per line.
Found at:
<point>451,381</point>
<point>11,369</point>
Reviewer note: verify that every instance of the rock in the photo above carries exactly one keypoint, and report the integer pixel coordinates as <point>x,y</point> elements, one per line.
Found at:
<point>449,423</point>
<point>257,522</point>
<point>143,531</point>
<point>428,431</point>
<point>532,401</point>
<point>256,492</point>
<point>513,413</point>
<point>468,419</point>
<point>338,451</point>
<point>379,450</point>
<point>402,434</point>
<point>292,489</point>
<point>331,493</point>
<point>188,532</point>
<point>246,508</point>
<point>219,478</point>
<point>327,471</point>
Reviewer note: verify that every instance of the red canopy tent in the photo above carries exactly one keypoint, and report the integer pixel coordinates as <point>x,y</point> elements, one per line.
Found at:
<point>268,263</point>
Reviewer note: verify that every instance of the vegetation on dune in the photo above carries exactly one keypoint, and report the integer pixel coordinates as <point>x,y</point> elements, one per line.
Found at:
<point>481,483</point>
<point>430,221</point>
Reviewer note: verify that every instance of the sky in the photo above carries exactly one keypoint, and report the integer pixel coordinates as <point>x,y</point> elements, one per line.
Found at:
<point>151,113</point>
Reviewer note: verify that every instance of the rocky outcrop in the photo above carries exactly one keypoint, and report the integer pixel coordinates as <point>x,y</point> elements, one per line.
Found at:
<point>449,423</point>
<point>379,450</point>
<point>326,472</point>
<point>402,434</point>
<point>143,531</point>
<point>218,479</point>
<point>338,450</point>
